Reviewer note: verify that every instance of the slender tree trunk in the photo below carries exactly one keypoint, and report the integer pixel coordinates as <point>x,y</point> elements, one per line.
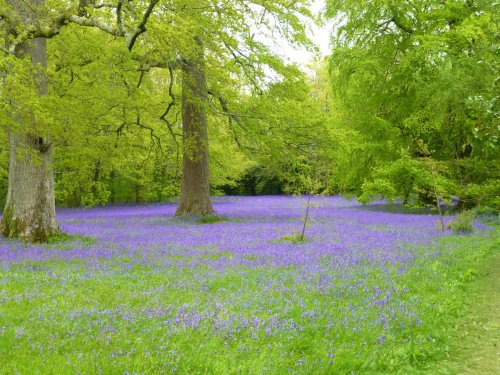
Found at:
<point>29,212</point>
<point>195,188</point>
<point>112,189</point>
<point>137,193</point>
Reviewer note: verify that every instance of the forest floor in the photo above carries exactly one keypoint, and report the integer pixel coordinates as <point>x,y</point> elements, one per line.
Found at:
<point>132,289</point>
<point>476,346</point>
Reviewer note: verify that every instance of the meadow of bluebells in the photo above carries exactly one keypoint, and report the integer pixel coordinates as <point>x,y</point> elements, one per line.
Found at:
<point>139,291</point>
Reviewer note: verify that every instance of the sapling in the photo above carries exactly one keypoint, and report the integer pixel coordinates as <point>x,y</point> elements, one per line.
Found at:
<point>437,200</point>
<point>432,166</point>
<point>300,236</point>
<point>306,218</point>
<point>309,187</point>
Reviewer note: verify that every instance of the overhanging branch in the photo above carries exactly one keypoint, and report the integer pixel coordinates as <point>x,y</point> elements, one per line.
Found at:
<point>141,28</point>
<point>48,28</point>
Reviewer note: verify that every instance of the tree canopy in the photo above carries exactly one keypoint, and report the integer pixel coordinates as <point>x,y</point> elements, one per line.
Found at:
<point>418,81</point>
<point>151,100</point>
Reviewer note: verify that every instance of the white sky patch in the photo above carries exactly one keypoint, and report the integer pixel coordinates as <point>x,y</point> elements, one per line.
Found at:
<point>273,38</point>
<point>320,35</point>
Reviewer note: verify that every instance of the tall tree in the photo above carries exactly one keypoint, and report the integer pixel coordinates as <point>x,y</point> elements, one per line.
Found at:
<point>418,79</point>
<point>221,57</point>
<point>195,188</point>
<point>212,44</point>
<point>29,211</point>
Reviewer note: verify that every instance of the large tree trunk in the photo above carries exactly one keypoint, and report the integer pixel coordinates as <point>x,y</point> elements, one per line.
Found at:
<point>29,212</point>
<point>195,188</point>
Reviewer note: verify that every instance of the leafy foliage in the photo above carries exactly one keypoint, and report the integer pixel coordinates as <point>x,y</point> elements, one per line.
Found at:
<point>406,107</point>
<point>463,223</point>
<point>418,80</point>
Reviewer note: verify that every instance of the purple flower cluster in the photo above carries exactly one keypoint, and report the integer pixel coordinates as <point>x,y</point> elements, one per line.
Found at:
<point>340,229</point>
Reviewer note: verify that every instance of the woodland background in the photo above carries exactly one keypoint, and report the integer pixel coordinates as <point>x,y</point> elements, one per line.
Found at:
<point>406,105</point>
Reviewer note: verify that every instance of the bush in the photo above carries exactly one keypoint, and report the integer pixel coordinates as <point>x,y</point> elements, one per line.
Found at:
<point>486,211</point>
<point>463,223</point>
<point>296,237</point>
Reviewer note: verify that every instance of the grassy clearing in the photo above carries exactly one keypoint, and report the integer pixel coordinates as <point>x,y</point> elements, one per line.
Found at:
<point>215,311</point>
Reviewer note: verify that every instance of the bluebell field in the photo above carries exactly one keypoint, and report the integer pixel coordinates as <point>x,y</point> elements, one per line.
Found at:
<point>140,291</point>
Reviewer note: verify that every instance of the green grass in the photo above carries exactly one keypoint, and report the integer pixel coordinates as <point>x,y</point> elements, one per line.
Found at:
<point>295,237</point>
<point>470,313</point>
<point>200,219</point>
<point>86,317</point>
<point>475,340</point>
<point>212,219</point>
<point>68,238</point>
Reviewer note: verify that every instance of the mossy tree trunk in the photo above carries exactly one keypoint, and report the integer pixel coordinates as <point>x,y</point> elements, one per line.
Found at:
<point>29,212</point>
<point>195,188</point>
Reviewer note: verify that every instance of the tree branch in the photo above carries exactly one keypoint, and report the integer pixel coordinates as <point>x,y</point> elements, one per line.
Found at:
<point>245,65</point>
<point>142,26</point>
<point>396,21</point>
<point>88,22</point>
<point>153,136</point>
<point>49,28</point>
<point>170,105</point>
<point>119,20</point>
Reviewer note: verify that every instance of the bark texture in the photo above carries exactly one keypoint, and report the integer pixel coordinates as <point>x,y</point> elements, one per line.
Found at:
<point>195,188</point>
<point>29,212</point>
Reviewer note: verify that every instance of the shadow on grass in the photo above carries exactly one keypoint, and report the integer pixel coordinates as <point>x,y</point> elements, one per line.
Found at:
<point>201,219</point>
<point>402,209</point>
